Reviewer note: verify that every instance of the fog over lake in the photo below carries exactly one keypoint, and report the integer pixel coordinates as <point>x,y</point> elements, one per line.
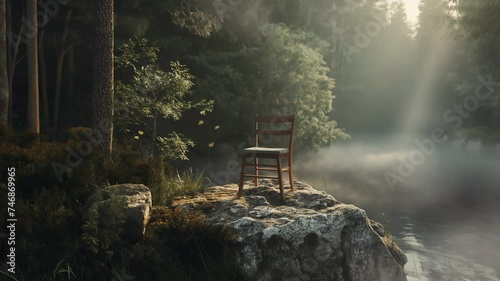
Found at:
<point>444,215</point>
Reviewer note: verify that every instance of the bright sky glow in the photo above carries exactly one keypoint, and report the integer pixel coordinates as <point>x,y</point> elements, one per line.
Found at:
<point>412,10</point>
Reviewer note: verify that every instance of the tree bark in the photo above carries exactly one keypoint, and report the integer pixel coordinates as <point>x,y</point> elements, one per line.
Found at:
<point>71,78</point>
<point>4,78</point>
<point>61,53</point>
<point>32,57</point>
<point>103,74</point>
<point>43,78</point>
<point>12,52</point>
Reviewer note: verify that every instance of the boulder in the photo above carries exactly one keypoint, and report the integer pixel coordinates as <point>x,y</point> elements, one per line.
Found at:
<point>311,237</point>
<point>137,204</point>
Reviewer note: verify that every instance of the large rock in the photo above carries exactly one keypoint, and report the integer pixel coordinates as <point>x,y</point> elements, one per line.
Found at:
<point>312,237</point>
<point>137,202</point>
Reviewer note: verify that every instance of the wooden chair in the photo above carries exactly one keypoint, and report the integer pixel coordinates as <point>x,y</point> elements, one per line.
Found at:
<point>276,153</point>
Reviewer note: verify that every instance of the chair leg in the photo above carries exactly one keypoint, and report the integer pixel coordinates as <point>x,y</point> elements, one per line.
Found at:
<point>280,177</point>
<point>256,171</point>
<point>290,176</point>
<point>242,178</point>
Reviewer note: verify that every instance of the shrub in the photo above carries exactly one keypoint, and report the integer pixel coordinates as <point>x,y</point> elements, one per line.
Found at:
<point>9,135</point>
<point>152,95</point>
<point>32,163</point>
<point>181,246</point>
<point>48,220</point>
<point>164,182</point>
<point>101,232</point>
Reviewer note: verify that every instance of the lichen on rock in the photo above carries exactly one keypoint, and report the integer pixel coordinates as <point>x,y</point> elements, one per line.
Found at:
<point>312,237</point>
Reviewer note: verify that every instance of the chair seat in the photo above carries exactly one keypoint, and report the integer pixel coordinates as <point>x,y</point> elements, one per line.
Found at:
<point>266,150</point>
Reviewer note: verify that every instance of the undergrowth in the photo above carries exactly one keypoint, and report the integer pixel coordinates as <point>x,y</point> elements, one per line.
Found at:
<point>54,242</point>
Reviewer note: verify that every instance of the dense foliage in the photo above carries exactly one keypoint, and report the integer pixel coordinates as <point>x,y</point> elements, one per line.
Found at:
<point>277,72</point>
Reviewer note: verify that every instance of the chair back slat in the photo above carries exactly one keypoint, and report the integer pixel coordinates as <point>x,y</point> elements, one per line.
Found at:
<point>275,119</point>
<point>274,133</point>
<point>275,130</point>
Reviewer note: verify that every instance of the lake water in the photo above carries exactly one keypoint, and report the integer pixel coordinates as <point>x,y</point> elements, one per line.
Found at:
<point>445,215</point>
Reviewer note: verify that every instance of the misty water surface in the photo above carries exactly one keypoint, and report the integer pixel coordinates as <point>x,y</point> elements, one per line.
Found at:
<point>445,216</point>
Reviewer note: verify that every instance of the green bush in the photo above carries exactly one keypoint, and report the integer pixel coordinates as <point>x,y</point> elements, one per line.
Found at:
<point>102,230</point>
<point>181,246</point>
<point>32,164</point>
<point>22,139</point>
<point>159,175</point>
<point>48,220</point>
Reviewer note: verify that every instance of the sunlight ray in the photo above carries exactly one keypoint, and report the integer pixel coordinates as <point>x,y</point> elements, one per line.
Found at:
<point>429,73</point>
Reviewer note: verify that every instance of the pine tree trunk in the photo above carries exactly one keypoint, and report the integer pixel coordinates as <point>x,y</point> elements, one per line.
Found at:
<point>43,80</point>
<point>4,78</point>
<point>61,54</point>
<point>71,79</point>
<point>57,97</point>
<point>12,51</point>
<point>32,57</point>
<point>102,100</point>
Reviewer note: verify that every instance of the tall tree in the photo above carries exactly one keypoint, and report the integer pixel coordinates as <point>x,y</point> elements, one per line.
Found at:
<point>62,50</point>
<point>43,77</point>
<point>32,58</point>
<point>4,85</point>
<point>433,14</point>
<point>12,52</point>
<point>103,74</point>
<point>476,24</point>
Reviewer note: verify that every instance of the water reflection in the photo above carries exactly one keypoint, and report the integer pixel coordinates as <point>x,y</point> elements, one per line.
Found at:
<point>448,253</point>
<point>444,217</point>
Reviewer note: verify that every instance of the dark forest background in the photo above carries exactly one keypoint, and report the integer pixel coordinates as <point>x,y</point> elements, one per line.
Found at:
<point>241,54</point>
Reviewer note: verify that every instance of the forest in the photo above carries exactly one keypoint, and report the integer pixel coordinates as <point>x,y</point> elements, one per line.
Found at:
<point>164,93</point>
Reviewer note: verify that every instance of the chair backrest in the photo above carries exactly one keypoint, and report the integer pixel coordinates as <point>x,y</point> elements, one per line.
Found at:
<point>275,128</point>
